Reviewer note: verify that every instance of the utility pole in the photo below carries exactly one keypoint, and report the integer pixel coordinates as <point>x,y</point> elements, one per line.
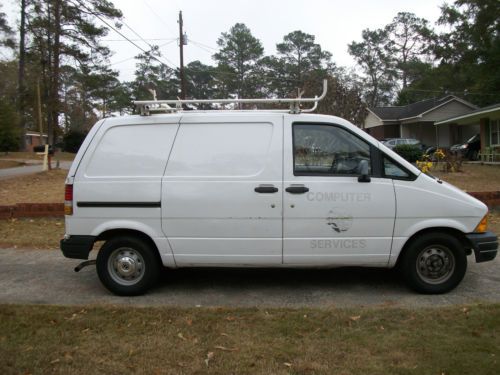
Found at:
<point>182,42</point>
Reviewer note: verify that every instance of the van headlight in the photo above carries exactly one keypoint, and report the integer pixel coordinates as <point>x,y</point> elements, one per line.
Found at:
<point>483,225</point>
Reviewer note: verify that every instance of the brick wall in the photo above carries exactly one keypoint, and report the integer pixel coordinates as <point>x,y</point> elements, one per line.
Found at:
<point>32,210</point>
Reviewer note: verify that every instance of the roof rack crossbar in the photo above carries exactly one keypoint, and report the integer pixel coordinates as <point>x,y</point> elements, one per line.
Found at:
<point>146,108</point>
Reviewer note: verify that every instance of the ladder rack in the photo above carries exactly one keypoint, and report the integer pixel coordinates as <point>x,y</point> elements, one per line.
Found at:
<point>148,107</point>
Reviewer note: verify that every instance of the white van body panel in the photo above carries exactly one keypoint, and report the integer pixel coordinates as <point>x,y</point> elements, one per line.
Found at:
<point>187,181</point>
<point>211,212</point>
<point>123,165</point>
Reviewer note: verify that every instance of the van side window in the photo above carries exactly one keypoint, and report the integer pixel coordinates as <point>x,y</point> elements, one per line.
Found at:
<point>327,150</point>
<point>391,170</point>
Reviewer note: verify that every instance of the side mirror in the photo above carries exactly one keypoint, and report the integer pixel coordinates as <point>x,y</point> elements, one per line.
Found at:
<point>363,171</point>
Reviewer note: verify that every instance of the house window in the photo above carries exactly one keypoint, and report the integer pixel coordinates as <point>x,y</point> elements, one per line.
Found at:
<point>495,132</point>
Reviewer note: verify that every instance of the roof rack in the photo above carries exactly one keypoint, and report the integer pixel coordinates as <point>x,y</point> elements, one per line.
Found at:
<point>148,107</point>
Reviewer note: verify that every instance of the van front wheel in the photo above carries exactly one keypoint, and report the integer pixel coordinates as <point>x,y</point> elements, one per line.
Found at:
<point>434,263</point>
<point>127,266</point>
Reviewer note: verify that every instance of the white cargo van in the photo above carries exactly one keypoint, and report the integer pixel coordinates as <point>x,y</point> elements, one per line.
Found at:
<point>261,189</point>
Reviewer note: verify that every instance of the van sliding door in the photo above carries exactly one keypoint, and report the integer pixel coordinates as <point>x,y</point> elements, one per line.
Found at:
<point>222,190</point>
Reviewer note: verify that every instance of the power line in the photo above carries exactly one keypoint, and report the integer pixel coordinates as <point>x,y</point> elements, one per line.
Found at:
<point>204,45</point>
<point>120,33</point>
<point>157,16</point>
<point>200,46</point>
<point>138,40</point>
<point>133,57</point>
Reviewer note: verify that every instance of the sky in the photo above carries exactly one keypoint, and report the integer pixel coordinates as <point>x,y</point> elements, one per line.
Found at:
<point>334,23</point>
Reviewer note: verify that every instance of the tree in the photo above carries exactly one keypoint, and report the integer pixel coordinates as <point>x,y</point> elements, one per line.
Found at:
<point>472,48</point>
<point>151,74</point>
<point>64,32</point>
<point>341,100</point>
<point>409,43</point>
<point>300,56</point>
<point>237,60</point>
<point>377,64</point>
<point>201,82</point>
<point>6,32</point>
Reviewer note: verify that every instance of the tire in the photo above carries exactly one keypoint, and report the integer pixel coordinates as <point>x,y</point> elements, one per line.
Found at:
<point>127,266</point>
<point>434,263</point>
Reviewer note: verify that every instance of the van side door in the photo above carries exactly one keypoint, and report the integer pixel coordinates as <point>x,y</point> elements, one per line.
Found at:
<point>222,190</point>
<point>330,217</point>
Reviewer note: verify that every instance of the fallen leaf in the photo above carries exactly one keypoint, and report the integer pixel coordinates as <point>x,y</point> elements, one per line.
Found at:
<point>230,318</point>
<point>189,322</point>
<point>210,355</point>
<point>355,318</point>
<point>181,336</point>
<point>53,362</point>
<point>224,334</point>
<point>287,364</point>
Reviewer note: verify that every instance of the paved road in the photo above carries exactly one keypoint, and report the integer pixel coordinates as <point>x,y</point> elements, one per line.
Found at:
<point>46,277</point>
<point>28,169</point>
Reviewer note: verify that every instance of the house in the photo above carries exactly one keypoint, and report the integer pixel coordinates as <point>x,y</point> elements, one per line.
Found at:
<point>416,120</point>
<point>33,139</point>
<point>486,120</point>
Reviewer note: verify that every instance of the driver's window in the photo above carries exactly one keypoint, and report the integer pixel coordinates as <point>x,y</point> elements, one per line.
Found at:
<point>326,149</point>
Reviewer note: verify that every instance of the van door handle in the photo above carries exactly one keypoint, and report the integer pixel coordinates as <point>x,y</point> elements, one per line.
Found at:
<point>266,189</point>
<point>297,189</point>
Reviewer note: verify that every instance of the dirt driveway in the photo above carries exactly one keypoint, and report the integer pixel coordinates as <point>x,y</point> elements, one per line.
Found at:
<point>46,277</point>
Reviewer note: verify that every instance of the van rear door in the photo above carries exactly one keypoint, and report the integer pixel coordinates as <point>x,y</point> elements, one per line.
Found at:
<point>222,190</point>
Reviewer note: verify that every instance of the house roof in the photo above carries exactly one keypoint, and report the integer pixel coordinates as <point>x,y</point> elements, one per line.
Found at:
<point>471,116</point>
<point>414,109</point>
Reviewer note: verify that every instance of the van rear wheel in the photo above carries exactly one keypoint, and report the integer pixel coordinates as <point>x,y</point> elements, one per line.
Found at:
<point>434,263</point>
<point>127,266</point>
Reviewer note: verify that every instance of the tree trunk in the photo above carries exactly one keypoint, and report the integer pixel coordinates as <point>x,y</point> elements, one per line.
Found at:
<point>54,94</point>
<point>20,80</point>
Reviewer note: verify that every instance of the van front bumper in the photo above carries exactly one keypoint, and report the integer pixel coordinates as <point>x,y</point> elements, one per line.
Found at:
<point>77,247</point>
<point>485,245</point>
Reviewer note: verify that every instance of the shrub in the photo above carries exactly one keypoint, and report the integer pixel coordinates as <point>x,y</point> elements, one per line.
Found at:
<point>412,153</point>
<point>9,128</point>
<point>73,140</point>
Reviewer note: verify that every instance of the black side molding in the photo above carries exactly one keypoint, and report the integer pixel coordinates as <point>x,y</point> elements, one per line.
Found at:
<point>119,204</point>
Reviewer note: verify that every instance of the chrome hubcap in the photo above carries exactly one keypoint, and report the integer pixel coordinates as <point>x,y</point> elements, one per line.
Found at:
<point>126,266</point>
<point>435,264</point>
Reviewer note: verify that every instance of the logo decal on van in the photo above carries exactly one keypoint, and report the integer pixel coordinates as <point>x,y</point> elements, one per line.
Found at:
<point>339,220</point>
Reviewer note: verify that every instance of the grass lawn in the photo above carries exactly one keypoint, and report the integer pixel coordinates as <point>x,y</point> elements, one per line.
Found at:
<point>118,340</point>
<point>42,187</point>
<point>474,177</point>
<point>36,233</point>
<point>33,156</point>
